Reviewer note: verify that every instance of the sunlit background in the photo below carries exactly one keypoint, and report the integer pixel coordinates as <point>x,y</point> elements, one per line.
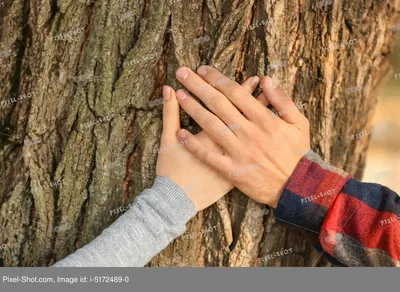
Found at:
<point>383,156</point>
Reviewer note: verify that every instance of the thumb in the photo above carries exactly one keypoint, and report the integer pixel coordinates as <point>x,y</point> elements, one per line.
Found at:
<point>171,119</point>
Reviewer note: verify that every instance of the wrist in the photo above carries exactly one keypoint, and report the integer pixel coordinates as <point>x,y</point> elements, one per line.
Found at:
<point>310,192</point>
<point>179,202</point>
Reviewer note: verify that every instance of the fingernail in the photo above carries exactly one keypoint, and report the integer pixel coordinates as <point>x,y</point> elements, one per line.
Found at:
<point>166,92</point>
<point>202,71</point>
<point>182,73</point>
<point>182,135</point>
<point>181,95</point>
<point>255,80</point>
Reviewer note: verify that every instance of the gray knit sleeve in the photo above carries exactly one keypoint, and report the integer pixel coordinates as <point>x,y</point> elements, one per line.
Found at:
<point>158,216</point>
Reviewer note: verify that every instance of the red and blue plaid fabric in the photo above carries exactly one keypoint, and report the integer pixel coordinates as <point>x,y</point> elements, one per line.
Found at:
<point>358,223</point>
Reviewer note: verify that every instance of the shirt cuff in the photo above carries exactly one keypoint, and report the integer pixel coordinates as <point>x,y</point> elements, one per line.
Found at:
<point>180,205</point>
<point>310,192</point>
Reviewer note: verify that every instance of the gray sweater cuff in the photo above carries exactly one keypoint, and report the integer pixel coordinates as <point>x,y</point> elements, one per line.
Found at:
<point>180,204</point>
<point>158,216</point>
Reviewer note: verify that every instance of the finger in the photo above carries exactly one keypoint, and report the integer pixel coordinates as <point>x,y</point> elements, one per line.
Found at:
<point>250,84</point>
<point>205,154</point>
<point>214,100</point>
<point>244,101</point>
<point>261,97</point>
<point>205,139</point>
<point>283,104</point>
<point>210,123</point>
<point>171,119</point>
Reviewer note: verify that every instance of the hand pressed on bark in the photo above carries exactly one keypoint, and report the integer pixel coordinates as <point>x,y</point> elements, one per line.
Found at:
<point>202,184</point>
<point>262,151</point>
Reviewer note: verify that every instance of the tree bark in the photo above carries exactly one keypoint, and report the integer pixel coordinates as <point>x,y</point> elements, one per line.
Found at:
<point>81,114</point>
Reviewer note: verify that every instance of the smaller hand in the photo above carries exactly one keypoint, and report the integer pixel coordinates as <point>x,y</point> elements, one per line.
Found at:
<point>203,185</point>
<point>261,149</point>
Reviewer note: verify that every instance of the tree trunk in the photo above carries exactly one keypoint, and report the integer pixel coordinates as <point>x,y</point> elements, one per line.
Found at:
<point>81,114</point>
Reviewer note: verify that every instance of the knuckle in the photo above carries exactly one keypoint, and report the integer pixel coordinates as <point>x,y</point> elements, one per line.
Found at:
<point>222,142</point>
<point>208,157</point>
<point>208,123</point>
<point>246,155</point>
<point>196,151</point>
<point>197,113</point>
<point>216,101</point>
<point>254,136</point>
<point>232,90</point>
<point>254,156</point>
<point>167,112</point>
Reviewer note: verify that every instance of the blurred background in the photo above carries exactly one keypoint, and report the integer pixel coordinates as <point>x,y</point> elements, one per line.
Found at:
<point>383,156</point>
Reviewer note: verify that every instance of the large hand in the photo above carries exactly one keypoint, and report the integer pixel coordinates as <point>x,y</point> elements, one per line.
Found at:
<point>262,149</point>
<point>202,184</point>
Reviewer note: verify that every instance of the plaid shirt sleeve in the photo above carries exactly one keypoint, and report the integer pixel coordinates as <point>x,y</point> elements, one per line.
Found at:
<point>358,223</point>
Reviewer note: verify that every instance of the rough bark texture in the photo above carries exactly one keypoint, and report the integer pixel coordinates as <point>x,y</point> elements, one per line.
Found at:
<point>82,142</point>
